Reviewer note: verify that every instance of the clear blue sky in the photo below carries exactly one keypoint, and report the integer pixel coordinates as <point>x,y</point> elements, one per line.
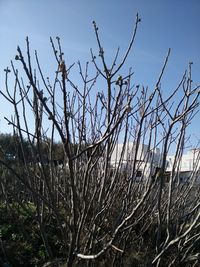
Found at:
<point>165,24</point>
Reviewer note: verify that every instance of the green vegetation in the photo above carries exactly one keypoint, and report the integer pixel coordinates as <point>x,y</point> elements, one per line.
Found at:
<point>21,243</point>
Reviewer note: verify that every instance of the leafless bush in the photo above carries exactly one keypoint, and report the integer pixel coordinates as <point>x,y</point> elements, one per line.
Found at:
<point>102,211</point>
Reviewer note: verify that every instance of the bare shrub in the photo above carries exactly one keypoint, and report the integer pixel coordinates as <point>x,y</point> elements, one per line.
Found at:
<point>104,186</point>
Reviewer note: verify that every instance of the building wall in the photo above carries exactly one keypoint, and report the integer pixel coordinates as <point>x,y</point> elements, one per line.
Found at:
<point>189,165</point>
<point>146,161</point>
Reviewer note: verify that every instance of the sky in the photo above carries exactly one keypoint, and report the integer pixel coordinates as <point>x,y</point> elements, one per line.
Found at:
<point>164,24</point>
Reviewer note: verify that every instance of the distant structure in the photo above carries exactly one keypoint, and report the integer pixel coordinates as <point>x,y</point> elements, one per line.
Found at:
<point>189,167</point>
<point>147,160</point>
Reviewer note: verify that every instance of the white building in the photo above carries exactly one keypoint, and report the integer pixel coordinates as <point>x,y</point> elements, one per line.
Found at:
<point>189,167</point>
<point>147,160</point>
